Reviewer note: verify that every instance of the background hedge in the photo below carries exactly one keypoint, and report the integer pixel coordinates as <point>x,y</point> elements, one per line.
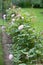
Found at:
<point>28,3</point>
<point>0,5</point>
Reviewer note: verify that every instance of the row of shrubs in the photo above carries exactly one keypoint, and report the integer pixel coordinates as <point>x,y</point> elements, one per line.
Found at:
<point>28,3</point>
<point>0,5</point>
<point>22,3</point>
<point>27,45</point>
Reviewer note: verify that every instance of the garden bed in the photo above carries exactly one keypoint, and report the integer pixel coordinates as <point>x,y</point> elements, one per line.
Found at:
<point>16,27</point>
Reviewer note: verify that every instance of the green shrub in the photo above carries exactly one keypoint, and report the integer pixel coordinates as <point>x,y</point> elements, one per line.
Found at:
<point>36,3</point>
<point>0,5</point>
<point>5,4</point>
<point>28,3</point>
<point>26,43</point>
<point>22,3</point>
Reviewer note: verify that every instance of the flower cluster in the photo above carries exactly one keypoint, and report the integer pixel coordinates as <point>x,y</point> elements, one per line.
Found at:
<point>4,16</point>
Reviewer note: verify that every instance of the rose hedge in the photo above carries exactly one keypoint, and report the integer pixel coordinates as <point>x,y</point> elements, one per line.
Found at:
<point>26,43</point>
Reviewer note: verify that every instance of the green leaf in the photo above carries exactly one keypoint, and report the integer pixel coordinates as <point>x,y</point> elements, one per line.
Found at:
<point>22,64</point>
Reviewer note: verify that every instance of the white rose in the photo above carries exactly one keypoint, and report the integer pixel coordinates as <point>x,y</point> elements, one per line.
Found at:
<point>13,20</point>
<point>4,16</point>
<point>20,27</point>
<point>22,17</point>
<point>10,56</point>
<point>12,15</point>
<point>3,28</point>
<point>9,8</point>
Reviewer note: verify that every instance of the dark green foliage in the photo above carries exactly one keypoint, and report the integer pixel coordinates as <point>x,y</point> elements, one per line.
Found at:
<point>22,3</point>
<point>28,3</point>
<point>37,3</point>
<point>0,5</point>
<point>5,4</point>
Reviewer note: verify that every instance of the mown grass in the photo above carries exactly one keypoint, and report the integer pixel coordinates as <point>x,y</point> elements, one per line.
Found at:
<point>38,24</point>
<point>2,22</point>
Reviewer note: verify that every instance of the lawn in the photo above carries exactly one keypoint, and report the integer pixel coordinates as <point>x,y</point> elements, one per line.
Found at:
<point>2,22</point>
<point>38,24</point>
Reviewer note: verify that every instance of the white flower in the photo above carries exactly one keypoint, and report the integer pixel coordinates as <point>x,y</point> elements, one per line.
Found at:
<point>20,27</point>
<point>3,27</point>
<point>22,17</point>
<point>13,20</point>
<point>4,16</point>
<point>9,8</point>
<point>10,56</point>
<point>12,15</point>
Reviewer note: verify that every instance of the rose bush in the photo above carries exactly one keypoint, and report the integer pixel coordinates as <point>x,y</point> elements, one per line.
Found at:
<point>26,43</point>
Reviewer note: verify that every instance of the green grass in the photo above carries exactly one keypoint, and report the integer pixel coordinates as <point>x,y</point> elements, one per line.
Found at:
<point>38,24</point>
<point>2,22</point>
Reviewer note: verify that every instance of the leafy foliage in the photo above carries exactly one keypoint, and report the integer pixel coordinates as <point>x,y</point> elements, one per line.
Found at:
<point>5,4</point>
<point>0,5</point>
<point>28,3</point>
<point>26,43</point>
<point>22,3</point>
